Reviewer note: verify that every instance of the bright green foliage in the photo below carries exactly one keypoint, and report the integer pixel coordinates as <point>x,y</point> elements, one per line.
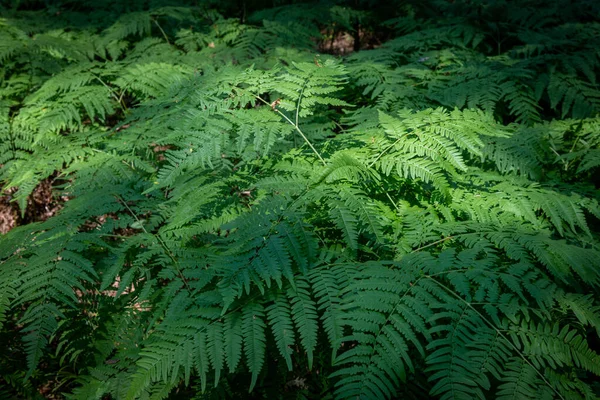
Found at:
<point>246,218</point>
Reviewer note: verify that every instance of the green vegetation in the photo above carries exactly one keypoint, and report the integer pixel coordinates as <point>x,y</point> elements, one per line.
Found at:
<point>413,215</point>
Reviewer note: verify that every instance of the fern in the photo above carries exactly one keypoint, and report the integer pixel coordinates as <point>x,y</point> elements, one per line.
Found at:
<point>240,216</point>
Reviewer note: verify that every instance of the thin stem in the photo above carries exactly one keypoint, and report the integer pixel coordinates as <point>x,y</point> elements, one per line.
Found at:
<point>570,151</point>
<point>392,201</point>
<point>160,241</point>
<point>300,99</point>
<point>121,96</point>
<point>384,151</point>
<point>560,157</point>
<point>161,30</point>
<point>338,125</point>
<point>13,146</point>
<point>112,92</point>
<point>113,236</point>
<point>433,244</point>
<point>303,136</point>
<point>295,125</point>
<point>574,144</point>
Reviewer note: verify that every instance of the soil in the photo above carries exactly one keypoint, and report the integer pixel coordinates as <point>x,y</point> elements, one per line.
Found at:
<point>41,205</point>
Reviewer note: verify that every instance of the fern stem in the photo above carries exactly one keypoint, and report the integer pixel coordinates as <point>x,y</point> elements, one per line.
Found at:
<point>300,98</point>
<point>498,332</point>
<point>112,92</point>
<point>295,125</point>
<point>560,158</point>
<point>383,152</point>
<point>338,125</point>
<point>570,151</point>
<point>161,30</point>
<point>305,139</point>
<point>433,244</point>
<point>13,146</point>
<point>297,117</point>
<point>392,201</point>
<point>160,241</point>
<point>121,98</point>
<point>113,236</point>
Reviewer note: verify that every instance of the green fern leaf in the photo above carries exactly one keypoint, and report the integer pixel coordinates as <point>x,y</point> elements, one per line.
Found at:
<point>304,314</point>
<point>233,339</point>
<point>253,328</point>
<point>280,319</point>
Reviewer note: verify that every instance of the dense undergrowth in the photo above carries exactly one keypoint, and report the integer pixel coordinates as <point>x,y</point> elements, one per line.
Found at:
<point>414,215</point>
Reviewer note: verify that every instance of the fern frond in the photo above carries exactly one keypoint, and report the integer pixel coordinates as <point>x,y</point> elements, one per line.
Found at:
<point>520,380</point>
<point>579,98</point>
<point>556,346</point>
<point>280,319</point>
<point>150,79</point>
<point>583,308</point>
<point>304,314</point>
<point>457,370</point>
<point>437,238</point>
<point>385,322</point>
<point>253,327</point>
<point>306,85</point>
